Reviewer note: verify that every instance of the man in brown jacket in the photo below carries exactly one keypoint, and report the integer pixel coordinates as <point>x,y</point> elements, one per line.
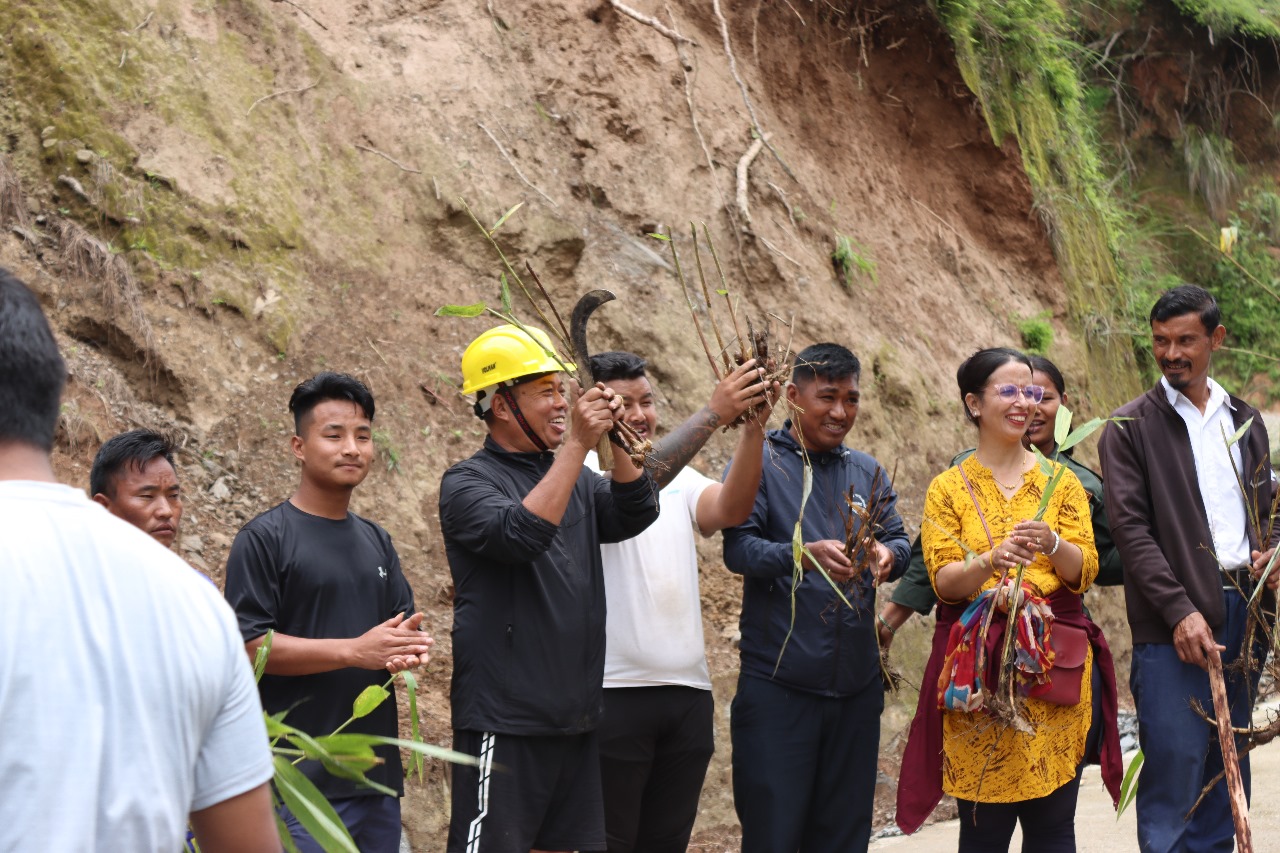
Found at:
<point>1194,545</point>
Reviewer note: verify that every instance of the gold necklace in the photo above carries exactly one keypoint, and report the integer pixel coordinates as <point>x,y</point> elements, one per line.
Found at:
<point>1022,479</point>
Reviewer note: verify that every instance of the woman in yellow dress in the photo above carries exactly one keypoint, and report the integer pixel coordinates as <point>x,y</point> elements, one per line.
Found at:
<point>979,527</point>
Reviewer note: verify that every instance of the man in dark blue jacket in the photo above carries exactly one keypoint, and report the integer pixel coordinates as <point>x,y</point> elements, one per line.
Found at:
<point>806,719</point>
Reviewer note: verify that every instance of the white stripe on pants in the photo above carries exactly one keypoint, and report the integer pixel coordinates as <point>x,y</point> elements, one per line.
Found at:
<point>486,764</point>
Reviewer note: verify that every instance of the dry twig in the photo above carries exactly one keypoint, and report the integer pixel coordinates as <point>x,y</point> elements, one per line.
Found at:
<point>299,90</point>
<point>744,164</point>
<point>651,22</point>
<point>512,164</point>
<point>389,158</point>
<point>746,98</point>
<point>303,11</point>
<point>1230,761</point>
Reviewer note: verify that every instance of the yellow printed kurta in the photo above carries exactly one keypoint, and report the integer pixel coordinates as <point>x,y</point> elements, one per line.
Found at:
<point>984,760</point>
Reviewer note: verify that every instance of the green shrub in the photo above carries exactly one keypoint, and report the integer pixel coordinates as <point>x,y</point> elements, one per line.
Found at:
<point>851,261</point>
<point>1037,334</point>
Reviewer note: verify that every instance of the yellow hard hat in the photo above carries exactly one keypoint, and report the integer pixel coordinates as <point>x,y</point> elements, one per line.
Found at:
<point>506,353</point>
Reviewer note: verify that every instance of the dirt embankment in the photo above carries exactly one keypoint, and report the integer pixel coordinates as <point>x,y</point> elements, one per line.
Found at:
<point>278,192</point>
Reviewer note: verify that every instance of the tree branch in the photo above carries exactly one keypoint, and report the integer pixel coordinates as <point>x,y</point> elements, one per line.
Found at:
<point>651,22</point>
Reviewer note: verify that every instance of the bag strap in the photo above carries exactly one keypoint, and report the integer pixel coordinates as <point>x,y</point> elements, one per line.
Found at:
<point>981,517</point>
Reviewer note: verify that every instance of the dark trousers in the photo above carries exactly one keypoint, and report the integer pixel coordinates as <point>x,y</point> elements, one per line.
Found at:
<point>373,821</point>
<point>1048,823</point>
<point>1181,753</point>
<point>655,745</point>
<point>804,767</point>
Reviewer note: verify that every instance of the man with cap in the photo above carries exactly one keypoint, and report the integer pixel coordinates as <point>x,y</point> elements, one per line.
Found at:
<point>522,528</point>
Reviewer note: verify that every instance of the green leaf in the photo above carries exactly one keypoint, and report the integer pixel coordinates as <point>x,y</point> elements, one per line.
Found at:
<point>411,688</point>
<point>282,829</point>
<point>506,293</point>
<point>1062,425</point>
<point>1239,434</point>
<point>311,809</point>
<point>275,726</point>
<point>475,309</point>
<point>721,292</point>
<point>663,237</point>
<point>1129,787</point>
<point>504,218</point>
<point>1078,435</point>
<point>260,658</point>
<point>350,749</point>
<point>430,750</point>
<point>369,699</point>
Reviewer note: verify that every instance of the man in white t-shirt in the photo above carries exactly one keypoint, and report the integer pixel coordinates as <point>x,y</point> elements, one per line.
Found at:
<point>127,704</point>
<point>656,735</point>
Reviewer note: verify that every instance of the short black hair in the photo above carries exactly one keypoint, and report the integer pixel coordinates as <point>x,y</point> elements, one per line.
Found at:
<point>135,449</point>
<point>324,387</point>
<point>830,361</point>
<point>32,372</point>
<point>975,370</point>
<point>608,366</point>
<point>1043,365</point>
<point>1188,299</point>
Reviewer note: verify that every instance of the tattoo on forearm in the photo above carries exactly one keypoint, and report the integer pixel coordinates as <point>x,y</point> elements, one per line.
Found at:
<point>679,446</point>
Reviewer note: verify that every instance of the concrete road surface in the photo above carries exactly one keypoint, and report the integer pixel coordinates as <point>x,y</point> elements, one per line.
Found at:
<point>1098,831</point>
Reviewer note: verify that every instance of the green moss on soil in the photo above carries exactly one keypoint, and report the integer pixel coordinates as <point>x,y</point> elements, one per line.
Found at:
<point>1016,57</point>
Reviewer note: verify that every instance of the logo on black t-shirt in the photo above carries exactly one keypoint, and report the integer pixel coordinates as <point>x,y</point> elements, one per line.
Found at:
<point>382,573</point>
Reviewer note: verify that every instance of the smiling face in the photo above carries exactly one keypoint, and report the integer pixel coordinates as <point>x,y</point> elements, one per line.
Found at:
<point>148,497</point>
<point>997,415</point>
<point>1183,348</point>
<point>825,410</point>
<point>1040,427</point>
<point>545,409</point>
<point>639,409</point>
<point>336,445</point>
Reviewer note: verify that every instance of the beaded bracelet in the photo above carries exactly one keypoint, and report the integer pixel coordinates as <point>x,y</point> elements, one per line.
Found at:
<point>1057,543</point>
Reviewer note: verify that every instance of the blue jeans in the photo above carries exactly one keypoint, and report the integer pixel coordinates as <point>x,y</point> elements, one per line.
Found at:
<point>373,821</point>
<point>1181,751</point>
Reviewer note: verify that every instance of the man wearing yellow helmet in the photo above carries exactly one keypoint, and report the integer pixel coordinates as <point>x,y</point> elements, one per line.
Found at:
<point>522,530</point>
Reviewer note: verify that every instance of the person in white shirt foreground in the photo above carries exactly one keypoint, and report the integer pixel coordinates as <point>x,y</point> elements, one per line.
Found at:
<point>127,705</point>
<point>656,736</point>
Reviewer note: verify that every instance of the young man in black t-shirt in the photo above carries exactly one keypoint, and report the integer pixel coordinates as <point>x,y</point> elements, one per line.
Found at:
<point>328,582</point>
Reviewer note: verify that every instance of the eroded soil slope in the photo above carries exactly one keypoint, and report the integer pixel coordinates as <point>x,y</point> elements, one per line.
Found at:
<point>216,200</point>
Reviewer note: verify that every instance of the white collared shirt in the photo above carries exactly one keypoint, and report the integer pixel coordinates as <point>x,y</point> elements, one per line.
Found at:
<point>1219,485</point>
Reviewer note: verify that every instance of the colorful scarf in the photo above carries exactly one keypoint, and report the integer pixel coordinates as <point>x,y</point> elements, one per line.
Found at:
<point>971,667</point>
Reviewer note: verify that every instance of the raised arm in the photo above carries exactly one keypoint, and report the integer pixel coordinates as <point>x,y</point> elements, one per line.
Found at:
<point>730,503</point>
<point>736,393</point>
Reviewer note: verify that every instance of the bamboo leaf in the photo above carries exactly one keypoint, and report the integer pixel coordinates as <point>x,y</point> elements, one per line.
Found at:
<point>1078,435</point>
<point>260,658</point>
<point>663,237</point>
<point>311,809</point>
<point>1062,425</point>
<point>506,293</point>
<point>473,310</point>
<point>1129,787</point>
<point>282,829</point>
<point>504,218</point>
<point>411,688</point>
<point>350,749</point>
<point>721,292</point>
<point>1239,434</point>
<point>369,699</point>
<point>430,750</point>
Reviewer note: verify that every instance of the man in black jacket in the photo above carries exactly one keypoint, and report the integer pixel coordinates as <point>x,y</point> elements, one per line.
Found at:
<point>522,529</point>
<point>805,722</point>
<point>1190,509</point>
